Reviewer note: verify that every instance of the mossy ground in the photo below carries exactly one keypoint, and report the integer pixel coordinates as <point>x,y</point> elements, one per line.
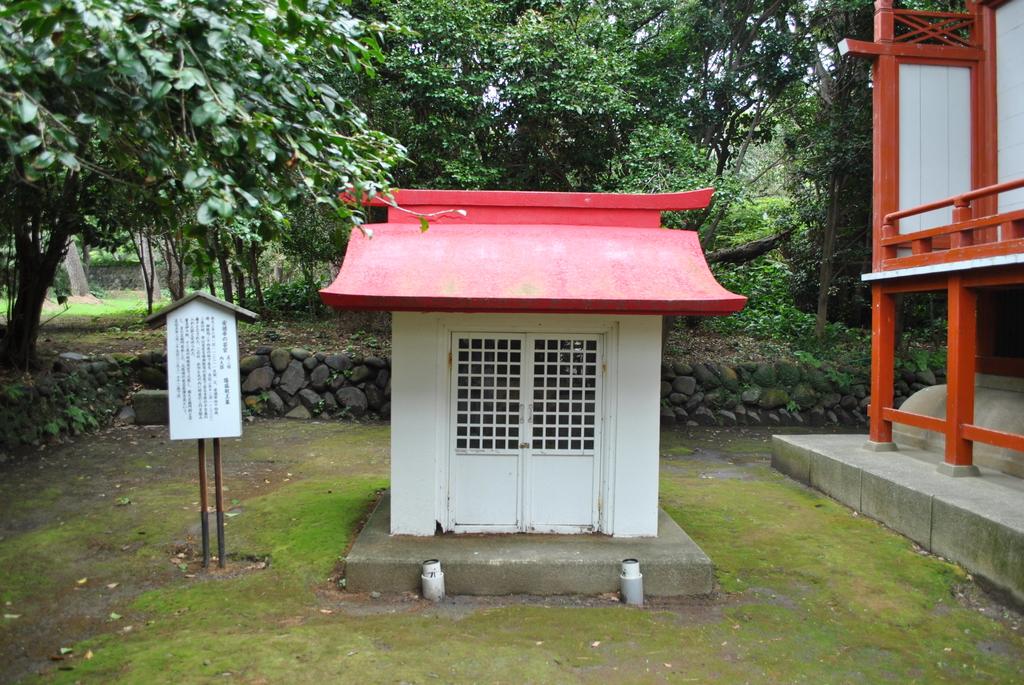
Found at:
<point>810,592</point>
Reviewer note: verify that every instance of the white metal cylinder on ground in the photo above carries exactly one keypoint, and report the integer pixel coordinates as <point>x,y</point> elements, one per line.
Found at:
<point>632,583</point>
<point>432,578</point>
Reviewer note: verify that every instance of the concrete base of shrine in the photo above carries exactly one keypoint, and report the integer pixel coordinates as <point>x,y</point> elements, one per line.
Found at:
<point>977,522</point>
<point>672,564</point>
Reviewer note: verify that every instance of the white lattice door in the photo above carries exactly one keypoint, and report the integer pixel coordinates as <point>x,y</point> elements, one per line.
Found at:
<point>526,420</point>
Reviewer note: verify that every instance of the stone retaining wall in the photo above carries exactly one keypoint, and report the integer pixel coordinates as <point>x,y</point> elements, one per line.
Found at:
<point>83,393</point>
<point>780,394</point>
<point>78,395</point>
<point>300,384</point>
<point>118,276</point>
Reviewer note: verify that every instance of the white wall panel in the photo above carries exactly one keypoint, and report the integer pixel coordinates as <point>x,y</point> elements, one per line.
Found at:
<point>420,422</point>
<point>635,504</point>
<point>935,139</point>
<point>415,426</point>
<point>1010,99</point>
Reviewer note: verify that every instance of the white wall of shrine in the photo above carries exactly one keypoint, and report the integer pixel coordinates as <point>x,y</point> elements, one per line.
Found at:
<point>1010,99</point>
<point>934,140</point>
<point>422,442</point>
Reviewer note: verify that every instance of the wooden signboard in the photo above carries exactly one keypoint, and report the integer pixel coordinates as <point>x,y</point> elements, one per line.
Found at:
<point>203,394</point>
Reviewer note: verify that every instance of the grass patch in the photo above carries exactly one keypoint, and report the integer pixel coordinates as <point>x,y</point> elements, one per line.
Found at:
<point>130,304</point>
<point>835,593</point>
<point>811,593</point>
<point>108,540</point>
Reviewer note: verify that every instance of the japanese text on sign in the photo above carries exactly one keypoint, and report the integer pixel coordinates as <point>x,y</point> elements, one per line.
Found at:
<point>202,366</point>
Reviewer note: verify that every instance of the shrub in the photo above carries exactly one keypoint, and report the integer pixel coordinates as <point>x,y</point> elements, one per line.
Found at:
<point>294,297</point>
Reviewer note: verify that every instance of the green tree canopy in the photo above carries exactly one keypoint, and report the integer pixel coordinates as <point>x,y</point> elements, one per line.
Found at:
<point>234,106</point>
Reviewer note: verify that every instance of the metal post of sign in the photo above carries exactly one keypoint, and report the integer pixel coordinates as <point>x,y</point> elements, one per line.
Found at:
<point>218,480</point>
<point>204,517</point>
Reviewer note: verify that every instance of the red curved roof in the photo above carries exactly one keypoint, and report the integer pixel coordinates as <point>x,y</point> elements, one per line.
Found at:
<point>527,207</point>
<point>456,266</point>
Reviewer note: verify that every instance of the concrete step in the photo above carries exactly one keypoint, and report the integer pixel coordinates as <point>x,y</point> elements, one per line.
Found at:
<point>672,564</point>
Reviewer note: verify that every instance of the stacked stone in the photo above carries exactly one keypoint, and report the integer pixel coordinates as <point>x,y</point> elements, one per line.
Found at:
<point>151,370</point>
<point>300,384</point>
<point>908,382</point>
<point>297,383</point>
<point>80,393</point>
<point>780,394</point>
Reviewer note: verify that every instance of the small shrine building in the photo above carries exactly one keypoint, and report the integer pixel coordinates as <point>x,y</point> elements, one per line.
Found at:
<point>526,351</point>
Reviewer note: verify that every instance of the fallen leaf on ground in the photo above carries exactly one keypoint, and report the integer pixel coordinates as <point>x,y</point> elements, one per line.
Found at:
<point>115,616</point>
<point>88,655</point>
<point>12,616</point>
<point>111,586</point>
<point>82,581</point>
<point>595,643</point>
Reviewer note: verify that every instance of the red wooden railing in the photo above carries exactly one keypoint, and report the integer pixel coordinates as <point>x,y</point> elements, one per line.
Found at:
<point>966,238</point>
<point>938,29</point>
<point>933,28</point>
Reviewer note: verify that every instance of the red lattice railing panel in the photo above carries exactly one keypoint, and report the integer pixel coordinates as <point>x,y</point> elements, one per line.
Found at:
<point>934,28</point>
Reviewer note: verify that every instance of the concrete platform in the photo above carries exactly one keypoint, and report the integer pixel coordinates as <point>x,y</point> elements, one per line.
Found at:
<point>976,522</point>
<point>672,564</point>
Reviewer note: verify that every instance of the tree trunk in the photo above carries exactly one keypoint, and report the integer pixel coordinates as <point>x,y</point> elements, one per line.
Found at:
<point>36,270</point>
<point>225,272</point>
<point>254,274</point>
<point>19,342</point>
<point>898,305</point>
<point>144,251</point>
<point>667,324</point>
<point>175,267</point>
<point>307,277</point>
<point>828,246</point>
<point>149,264</point>
<point>76,272</point>
<point>38,253</point>
<point>236,269</point>
<point>746,252</point>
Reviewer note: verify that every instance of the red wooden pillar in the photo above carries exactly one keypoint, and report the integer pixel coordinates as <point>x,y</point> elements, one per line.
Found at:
<point>962,344</point>
<point>885,199</point>
<point>883,346</point>
<point>885,77</point>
